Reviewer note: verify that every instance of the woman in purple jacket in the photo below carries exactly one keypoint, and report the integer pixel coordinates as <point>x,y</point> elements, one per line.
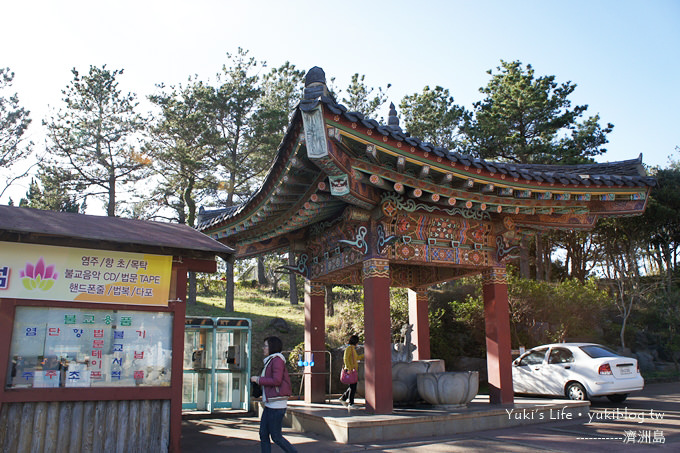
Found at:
<point>276,389</point>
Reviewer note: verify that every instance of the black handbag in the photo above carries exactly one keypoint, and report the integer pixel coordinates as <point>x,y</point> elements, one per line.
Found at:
<point>255,390</point>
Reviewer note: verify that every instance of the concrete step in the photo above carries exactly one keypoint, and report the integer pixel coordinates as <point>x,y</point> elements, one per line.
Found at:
<point>356,425</point>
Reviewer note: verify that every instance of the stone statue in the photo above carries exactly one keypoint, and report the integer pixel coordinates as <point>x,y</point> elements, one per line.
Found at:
<point>403,352</point>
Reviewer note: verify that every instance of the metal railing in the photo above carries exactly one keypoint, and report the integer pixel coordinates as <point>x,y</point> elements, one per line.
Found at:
<point>306,365</point>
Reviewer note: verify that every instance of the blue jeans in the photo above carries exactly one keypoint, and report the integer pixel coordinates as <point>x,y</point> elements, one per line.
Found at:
<point>270,426</point>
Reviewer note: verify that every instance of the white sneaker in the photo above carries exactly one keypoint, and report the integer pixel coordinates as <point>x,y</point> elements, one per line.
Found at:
<point>350,406</point>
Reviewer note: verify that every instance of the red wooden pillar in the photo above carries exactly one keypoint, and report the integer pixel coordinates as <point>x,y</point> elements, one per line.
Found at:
<point>178,296</point>
<point>315,336</point>
<point>497,322</point>
<point>418,316</point>
<point>378,353</point>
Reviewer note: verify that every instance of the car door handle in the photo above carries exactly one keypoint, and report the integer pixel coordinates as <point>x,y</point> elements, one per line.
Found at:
<point>567,367</point>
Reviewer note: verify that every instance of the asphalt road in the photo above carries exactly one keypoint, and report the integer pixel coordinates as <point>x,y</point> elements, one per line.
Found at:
<point>647,421</point>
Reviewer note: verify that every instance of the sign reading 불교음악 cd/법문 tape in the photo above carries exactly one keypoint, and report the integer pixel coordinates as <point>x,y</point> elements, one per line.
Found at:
<point>43,272</point>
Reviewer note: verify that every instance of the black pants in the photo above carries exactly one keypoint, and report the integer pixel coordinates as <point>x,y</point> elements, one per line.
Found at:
<point>349,393</point>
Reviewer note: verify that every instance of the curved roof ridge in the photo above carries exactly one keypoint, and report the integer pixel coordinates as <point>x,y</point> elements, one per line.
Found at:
<point>629,172</point>
<point>629,167</point>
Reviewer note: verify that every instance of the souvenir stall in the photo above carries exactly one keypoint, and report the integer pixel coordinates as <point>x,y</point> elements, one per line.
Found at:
<point>92,330</point>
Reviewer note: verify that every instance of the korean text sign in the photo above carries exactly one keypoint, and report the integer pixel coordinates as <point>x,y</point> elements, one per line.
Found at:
<point>72,347</point>
<point>30,271</point>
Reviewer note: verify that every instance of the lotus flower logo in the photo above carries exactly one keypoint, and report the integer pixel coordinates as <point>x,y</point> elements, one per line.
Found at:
<point>38,276</point>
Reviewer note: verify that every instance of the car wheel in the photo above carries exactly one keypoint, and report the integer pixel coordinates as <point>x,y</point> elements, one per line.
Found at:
<point>575,391</point>
<point>617,398</point>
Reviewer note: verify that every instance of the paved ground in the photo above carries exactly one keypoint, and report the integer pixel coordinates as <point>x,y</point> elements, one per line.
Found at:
<point>648,421</point>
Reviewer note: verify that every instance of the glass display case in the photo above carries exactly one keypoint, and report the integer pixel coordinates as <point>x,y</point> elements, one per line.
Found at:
<point>73,347</point>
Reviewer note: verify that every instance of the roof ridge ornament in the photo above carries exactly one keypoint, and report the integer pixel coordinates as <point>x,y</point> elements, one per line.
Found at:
<point>393,119</point>
<point>315,84</point>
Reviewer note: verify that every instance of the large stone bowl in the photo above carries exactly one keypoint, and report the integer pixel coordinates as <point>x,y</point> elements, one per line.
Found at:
<point>405,378</point>
<point>449,389</point>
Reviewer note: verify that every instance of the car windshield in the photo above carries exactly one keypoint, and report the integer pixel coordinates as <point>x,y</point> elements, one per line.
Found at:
<point>596,351</point>
<point>533,357</point>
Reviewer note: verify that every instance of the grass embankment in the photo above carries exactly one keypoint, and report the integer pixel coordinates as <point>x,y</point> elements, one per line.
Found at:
<point>261,308</point>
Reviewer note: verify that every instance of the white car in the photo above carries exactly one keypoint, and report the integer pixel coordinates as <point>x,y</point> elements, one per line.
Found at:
<point>576,370</point>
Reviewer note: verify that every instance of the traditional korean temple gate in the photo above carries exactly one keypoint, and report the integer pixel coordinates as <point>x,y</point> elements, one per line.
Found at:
<point>361,203</point>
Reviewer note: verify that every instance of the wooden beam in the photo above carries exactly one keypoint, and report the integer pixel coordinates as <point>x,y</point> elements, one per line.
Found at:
<point>334,133</point>
<point>446,179</point>
<point>380,182</point>
<point>401,164</point>
<point>372,153</point>
<point>467,184</point>
<point>488,188</point>
<point>320,197</point>
<point>358,176</point>
<point>430,197</point>
<point>295,180</point>
<point>304,165</point>
<point>200,265</point>
<point>286,198</point>
<point>424,171</point>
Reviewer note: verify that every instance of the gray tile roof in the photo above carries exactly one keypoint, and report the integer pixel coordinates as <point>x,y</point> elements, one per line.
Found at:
<point>629,173</point>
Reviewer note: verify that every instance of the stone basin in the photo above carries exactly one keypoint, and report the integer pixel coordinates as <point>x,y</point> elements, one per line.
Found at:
<point>405,378</point>
<point>448,389</point>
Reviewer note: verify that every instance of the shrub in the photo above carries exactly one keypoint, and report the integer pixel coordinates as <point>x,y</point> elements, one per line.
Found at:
<point>555,312</point>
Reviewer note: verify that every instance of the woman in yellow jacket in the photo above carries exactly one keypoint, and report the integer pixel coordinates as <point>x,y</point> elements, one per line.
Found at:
<point>351,362</point>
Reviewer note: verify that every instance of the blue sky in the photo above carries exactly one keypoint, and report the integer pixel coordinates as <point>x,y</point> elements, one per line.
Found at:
<point>624,56</point>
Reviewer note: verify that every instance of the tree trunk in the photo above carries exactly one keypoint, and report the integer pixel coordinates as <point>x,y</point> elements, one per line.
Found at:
<point>547,263</point>
<point>627,308</point>
<point>261,276</point>
<point>666,252</point>
<point>524,269</point>
<point>111,205</point>
<point>188,199</point>
<point>292,279</point>
<point>229,293</point>
<point>540,269</point>
<point>330,308</point>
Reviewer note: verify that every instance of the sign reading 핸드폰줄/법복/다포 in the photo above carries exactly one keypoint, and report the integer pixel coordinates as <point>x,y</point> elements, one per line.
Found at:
<point>30,271</point>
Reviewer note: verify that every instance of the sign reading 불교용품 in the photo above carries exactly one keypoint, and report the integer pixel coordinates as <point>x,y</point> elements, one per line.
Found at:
<point>30,271</point>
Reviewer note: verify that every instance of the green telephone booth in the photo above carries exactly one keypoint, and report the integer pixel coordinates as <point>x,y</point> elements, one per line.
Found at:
<point>217,355</point>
